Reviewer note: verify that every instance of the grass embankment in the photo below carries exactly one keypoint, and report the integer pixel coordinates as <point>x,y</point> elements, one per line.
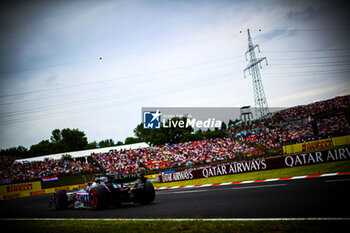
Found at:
<point>121,226</point>
<point>315,169</point>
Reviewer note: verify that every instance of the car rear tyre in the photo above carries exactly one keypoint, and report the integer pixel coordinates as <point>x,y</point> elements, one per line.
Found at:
<point>145,194</point>
<point>149,193</point>
<point>60,200</point>
<point>98,197</point>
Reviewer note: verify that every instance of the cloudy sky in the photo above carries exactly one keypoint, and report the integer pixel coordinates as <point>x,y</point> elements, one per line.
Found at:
<point>93,65</point>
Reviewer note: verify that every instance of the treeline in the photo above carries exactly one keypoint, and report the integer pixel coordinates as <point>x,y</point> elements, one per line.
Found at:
<point>61,141</point>
<point>67,140</point>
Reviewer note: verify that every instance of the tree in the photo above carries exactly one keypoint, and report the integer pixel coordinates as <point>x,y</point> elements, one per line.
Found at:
<point>61,141</point>
<point>214,134</point>
<point>131,140</point>
<point>56,136</point>
<point>230,123</point>
<point>223,126</point>
<point>197,136</point>
<point>106,143</point>
<point>74,139</point>
<point>19,151</point>
<point>67,157</point>
<point>56,141</point>
<point>119,143</point>
<point>91,145</point>
<point>165,134</point>
<point>177,134</point>
<point>156,137</point>
<point>139,131</point>
<point>42,148</point>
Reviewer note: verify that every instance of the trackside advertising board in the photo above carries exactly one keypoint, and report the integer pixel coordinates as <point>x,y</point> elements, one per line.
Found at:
<point>257,165</point>
<point>317,145</point>
<point>14,191</point>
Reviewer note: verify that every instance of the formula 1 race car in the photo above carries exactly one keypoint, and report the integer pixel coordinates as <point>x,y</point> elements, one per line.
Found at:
<point>104,191</point>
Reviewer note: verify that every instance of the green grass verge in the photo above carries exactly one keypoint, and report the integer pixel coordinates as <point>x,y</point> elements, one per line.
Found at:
<point>121,226</point>
<point>315,169</point>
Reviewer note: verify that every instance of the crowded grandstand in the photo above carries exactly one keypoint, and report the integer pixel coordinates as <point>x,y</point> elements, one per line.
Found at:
<point>319,120</point>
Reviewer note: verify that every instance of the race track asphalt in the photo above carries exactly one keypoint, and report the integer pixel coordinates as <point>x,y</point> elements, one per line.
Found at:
<point>322,197</point>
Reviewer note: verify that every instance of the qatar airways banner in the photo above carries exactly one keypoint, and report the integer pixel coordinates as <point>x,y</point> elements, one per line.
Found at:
<point>257,165</point>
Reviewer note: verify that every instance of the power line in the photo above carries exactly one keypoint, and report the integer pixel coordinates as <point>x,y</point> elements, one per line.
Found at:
<point>308,65</point>
<point>318,72</point>
<point>302,30</point>
<point>107,56</point>
<point>114,79</point>
<point>123,101</point>
<point>307,58</point>
<point>152,72</point>
<point>306,50</point>
<point>139,96</point>
<point>76,103</point>
<point>307,74</point>
<point>275,66</point>
<point>120,85</point>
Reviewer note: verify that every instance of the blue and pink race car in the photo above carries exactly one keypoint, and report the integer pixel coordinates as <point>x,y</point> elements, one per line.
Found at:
<point>106,190</point>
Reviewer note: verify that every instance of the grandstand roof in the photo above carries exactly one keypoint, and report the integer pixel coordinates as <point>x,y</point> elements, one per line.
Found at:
<point>84,153</point>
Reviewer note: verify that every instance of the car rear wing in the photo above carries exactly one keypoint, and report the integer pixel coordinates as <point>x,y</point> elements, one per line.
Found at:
<point>123,178</point>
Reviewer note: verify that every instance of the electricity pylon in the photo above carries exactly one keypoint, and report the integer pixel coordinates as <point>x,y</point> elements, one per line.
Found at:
<point>261,107</point>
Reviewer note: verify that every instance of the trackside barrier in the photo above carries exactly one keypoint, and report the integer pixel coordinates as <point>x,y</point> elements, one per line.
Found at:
<point>317,145</point>
<point>301,159</point>
<point>14,191</point>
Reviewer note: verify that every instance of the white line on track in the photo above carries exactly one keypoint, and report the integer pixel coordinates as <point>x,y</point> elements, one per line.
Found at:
<point>191,191</point>
<point>181,192</point>
<point>226,189</point>
<point>340,180</point>
<point>260,186</point>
